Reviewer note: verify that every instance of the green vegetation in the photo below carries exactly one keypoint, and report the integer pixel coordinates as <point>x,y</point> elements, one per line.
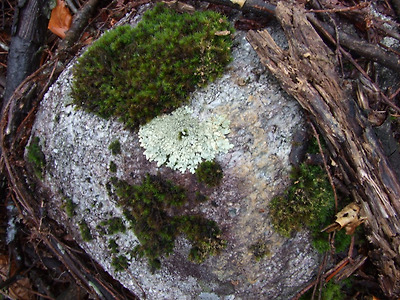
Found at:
<point>331,291</point>
<point>209,172</point>
<point>260,249</point>
<point>36,157</point>
<point>115,147</point>
<point>204,235</point>
<point>69,207</point>
<point>146,206</point>
<point>308,202</point>
<point>119,263</point>
<point>113,167</point>
<point>113,246</point>
<point>85,231</point>
<point>113,225</point>
<point>138,73</point>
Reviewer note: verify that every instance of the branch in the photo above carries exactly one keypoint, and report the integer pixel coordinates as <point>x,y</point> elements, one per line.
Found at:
<point>350,42</point>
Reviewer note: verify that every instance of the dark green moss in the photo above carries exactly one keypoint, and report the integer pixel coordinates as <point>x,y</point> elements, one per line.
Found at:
<point>115,147</point>
<point>331,291</point>
<point>147,206</point>
<point>210,173</point>
<point>138,73</point>
<point>113,167</point>
<point>204,235</point>
<point>113,225</point>
<point>199,197</point>
<point>260,249</point>
<point>69,207</point>
<point>36,157</point>
<point>85,231</point>
<point>119,263</point>
<point>113,246</point>
<point>308,202</point>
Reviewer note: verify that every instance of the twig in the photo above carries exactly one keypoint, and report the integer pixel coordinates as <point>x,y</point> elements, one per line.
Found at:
<point>326,166</point>
<point>4,46</point>
<point>336,269</point>
<point>318,280</point>
<point>7,295</point>
<point>344,9</point>
<point>328,35</point>
<point>392,96</point>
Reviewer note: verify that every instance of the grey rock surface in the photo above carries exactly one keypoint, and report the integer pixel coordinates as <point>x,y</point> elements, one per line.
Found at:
<point>263,120</point>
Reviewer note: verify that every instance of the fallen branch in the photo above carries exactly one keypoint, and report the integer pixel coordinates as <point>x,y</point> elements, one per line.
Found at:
<point>350,42</point>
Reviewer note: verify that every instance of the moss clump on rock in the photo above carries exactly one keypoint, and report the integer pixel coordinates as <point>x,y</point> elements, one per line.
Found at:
<point>138,73</point>
<point>113,167</point>
<point>69,207</point>
<point>115,147</point>
<point>36,157</point>
<point>260,249</point>
<point>120,263</point>
<point>113,225</point>
<point>85,231</point>
<point>308,202</point>
<point>148,207</point>
<point>209,172</point>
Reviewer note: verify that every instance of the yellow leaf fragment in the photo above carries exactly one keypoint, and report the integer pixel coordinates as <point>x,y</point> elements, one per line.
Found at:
<point>240,2</point>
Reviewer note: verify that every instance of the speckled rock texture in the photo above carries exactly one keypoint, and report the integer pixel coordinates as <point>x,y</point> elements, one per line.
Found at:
<point>262,120</point>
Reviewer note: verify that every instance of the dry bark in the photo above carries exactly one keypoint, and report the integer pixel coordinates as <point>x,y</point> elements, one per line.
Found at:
<point>351,42</point>
<point>307,71</point>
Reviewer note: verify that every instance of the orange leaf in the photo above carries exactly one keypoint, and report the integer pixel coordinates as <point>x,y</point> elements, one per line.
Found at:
<point>60,19</point>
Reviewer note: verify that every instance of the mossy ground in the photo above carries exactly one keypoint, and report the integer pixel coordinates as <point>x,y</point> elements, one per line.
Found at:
<point>138,73</point>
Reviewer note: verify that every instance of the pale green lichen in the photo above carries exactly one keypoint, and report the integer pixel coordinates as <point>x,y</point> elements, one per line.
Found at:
<point>181,141</point>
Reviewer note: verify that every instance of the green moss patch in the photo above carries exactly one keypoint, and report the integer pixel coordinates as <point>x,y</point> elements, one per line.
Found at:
<point>69,207</point>
<point>113,225</point>
<point>120,263</point>
<point>210,173</point>
<point>85,231</point>
<point>308,202</point>
<point>36,157</point>
<point>138,73</point>
<point>148,206</point>
<point>115,147</point>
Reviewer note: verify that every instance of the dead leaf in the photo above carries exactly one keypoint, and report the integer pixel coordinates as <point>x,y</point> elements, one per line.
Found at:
<point>60,19</point>
<point>19,290</point>
<point>348,218</point>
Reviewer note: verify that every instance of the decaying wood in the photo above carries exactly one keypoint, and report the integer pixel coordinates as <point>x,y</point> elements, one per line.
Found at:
<point>350,42</point>
<point>307,71</point>
<point>28,34</point>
